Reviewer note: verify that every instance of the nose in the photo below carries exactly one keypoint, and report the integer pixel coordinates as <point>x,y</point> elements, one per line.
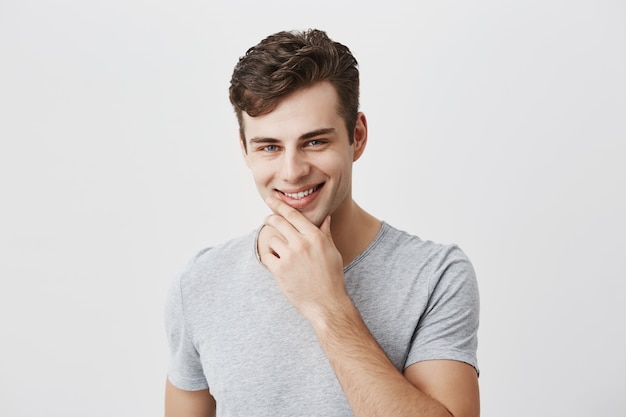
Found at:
<point>294,166</point>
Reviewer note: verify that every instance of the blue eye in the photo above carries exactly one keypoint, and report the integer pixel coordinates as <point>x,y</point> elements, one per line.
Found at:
<point>270,148</point>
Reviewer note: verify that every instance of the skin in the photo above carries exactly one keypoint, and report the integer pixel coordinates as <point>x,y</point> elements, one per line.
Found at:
<point>303,145</point>
<point>179,403</point>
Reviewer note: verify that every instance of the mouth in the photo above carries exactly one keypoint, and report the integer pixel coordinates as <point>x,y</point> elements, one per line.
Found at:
<point>299,199</point>
<point>301,194</point>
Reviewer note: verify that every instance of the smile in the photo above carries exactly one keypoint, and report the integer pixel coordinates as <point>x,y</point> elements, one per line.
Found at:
<point>300,195</point>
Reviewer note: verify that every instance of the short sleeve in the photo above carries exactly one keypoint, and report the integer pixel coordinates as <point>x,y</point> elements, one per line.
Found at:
<point>185,368</point>
<point>449,326</point>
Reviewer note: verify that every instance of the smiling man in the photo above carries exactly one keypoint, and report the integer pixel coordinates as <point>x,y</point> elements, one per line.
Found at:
<point>324,310</point>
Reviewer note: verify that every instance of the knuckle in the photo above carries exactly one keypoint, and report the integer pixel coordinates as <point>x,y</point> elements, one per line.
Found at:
<point>291,215</point>
<point>274,240</point>
<point>318,239</point>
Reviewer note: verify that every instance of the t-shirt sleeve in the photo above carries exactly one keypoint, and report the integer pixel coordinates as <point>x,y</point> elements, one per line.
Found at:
<point>185,368</point>
<point>449,325</point>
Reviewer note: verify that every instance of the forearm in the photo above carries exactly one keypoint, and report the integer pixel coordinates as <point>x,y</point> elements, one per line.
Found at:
<point>371,383</point>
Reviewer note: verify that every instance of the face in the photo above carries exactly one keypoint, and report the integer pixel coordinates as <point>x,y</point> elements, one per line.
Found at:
<point>301,153</point>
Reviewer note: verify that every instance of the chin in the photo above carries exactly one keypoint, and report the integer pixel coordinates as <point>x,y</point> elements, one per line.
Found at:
<point>316,219</point>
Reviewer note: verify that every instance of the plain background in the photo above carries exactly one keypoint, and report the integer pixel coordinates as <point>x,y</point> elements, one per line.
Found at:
<point>496,125</point>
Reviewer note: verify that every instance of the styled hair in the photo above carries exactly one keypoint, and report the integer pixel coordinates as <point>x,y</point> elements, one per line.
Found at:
<point>287,61</point>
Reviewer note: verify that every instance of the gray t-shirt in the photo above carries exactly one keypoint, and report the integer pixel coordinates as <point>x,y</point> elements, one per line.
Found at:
<point>231,329</point>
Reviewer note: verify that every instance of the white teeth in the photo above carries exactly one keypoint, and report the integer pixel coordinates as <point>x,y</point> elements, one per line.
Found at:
<point>301,194</point>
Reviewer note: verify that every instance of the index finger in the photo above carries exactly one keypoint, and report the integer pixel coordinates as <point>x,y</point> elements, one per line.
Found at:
<point>293,216</point>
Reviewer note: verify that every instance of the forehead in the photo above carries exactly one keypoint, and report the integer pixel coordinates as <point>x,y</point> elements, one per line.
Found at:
<point>305,110</point>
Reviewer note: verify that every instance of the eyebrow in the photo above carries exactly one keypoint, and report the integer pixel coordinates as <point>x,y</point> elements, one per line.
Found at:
<point>318,132</point>
<point>304,136</point>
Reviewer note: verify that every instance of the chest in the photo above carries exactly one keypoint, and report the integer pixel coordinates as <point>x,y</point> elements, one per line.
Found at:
<point>259,353</point>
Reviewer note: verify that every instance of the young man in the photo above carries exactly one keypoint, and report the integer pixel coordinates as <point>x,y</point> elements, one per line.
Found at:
<point>324,310</point>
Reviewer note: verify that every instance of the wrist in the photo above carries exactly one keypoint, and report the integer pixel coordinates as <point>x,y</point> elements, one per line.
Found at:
<point>339,313</point>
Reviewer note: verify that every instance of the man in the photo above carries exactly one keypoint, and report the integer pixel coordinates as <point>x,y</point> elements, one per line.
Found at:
<point>324,310</point>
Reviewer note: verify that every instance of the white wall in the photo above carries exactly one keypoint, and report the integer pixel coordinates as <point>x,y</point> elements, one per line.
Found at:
<point>494,124</point>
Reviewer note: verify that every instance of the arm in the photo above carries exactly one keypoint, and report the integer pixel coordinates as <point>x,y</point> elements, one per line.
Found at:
<point>450,382</point>
<point>194,400</point>
<point>180,403</point>
<point>373,385</point>
<point>309,271</point>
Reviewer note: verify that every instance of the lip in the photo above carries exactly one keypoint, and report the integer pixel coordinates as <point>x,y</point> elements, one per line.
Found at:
<point>299,203</point>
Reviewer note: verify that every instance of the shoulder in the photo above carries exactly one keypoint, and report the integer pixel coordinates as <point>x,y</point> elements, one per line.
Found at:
<point>435,261</point>
<point>417,249</point>
<point>214,260</point>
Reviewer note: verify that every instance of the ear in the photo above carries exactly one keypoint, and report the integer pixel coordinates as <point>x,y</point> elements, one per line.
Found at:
<point>242,146</point>
<point>360,136</point>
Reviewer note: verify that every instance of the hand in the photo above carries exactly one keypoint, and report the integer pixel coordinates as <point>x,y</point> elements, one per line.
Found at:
<point>304,260</point>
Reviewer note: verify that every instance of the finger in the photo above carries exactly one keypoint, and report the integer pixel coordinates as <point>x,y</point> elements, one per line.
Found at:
<point>273,247</point>
<point>293,216</point>
<point>281,227</point>
<point>269,258</point>
<point>270,231</point>
<point>277,246</point>
<point>325,227</point>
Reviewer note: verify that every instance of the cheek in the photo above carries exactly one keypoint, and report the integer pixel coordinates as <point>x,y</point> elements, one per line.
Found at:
<point>337,166</point>
<point>261,172</point>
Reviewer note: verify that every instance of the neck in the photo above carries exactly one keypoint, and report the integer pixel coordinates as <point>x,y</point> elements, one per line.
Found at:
<point>353,230</point>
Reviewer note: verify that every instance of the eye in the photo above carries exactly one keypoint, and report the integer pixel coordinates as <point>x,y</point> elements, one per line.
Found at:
<point>270,148</point>
<point>315,142</point>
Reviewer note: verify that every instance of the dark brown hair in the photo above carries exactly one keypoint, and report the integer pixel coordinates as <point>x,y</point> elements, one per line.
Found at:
<point>287,61</point>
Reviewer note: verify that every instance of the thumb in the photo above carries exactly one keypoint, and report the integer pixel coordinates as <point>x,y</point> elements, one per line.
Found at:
<point>325,226</point>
